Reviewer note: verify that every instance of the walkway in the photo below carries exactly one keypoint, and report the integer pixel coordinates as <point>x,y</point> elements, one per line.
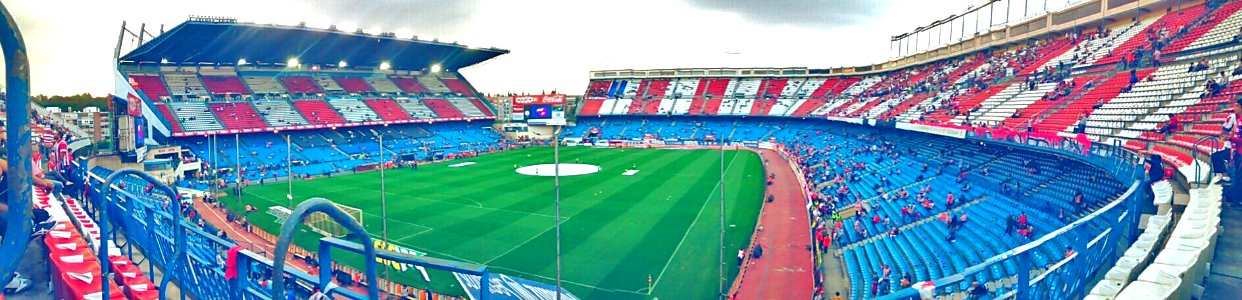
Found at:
<point>1225,281</point>
<point>786,270</point>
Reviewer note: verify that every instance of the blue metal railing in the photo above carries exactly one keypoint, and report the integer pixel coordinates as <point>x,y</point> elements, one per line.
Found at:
<point>17,81</point>
<point>1095,247</point>
<point>196,260</point>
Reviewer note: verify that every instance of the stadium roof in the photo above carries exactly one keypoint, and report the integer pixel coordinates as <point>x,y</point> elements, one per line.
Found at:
<point>222,41</point>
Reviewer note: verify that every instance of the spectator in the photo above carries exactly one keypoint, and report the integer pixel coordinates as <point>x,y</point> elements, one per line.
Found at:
<point>1069,251</point>
<point>1229,132</point>
<point>1171,126</point>
<point>1010,223</point>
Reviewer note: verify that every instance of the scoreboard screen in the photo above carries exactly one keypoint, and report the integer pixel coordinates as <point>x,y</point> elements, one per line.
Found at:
<point>538,112</point>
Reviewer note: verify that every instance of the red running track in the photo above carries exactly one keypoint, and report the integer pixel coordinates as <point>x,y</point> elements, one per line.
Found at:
<point>786,269</point>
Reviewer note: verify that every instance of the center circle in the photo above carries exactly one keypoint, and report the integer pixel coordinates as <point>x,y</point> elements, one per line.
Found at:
<point>549,170</point>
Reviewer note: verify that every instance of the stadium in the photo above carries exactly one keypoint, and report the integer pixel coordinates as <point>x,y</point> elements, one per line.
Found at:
<point>1084,150</point>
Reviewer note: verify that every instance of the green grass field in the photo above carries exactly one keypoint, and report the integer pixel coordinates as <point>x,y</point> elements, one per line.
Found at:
<point>616,230</point>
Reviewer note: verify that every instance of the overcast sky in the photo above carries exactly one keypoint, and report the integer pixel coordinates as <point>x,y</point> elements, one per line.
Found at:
<point>554,43</point>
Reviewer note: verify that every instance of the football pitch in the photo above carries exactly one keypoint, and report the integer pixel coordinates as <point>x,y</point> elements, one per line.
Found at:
<point>617,231</point>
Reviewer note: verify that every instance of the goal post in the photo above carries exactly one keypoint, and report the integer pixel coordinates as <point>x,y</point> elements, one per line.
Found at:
<point>321,223</point>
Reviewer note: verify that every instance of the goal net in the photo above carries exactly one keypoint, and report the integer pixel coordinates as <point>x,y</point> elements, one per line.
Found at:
<point>321,223</point>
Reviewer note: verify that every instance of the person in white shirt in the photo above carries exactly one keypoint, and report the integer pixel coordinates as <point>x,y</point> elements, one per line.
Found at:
<point>1229,135</point>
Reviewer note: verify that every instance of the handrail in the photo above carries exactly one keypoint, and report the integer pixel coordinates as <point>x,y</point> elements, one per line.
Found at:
<point>289,228</point>
<point>17,80</point>
<point>178,235</point>
<point>1194,152</point>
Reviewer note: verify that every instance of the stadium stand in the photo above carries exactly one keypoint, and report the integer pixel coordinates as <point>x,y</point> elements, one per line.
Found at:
<point>279,113</point>
<point>1046,132</point>
<point>300,85</point>
<point>433,85</point>
<point>356,85</point>
<point>383,84</point>
<point>152,86</point>
<point>387,109</point>
<point>238,115</point>
<point>443,108</point>
<point>410,85</point>
<point>195,116</point>
<point>354,110</point>
<point>328,84</point>
<point>224,85</point>
<point>267,85</point>
<point>186,85</point>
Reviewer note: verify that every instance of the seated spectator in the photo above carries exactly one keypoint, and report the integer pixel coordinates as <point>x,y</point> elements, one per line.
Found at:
<point>977,291</point>
<point>1170,127</point>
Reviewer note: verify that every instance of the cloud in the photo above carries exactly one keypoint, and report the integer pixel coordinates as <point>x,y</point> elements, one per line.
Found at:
<point>436,17</point>
<point>815,13</point>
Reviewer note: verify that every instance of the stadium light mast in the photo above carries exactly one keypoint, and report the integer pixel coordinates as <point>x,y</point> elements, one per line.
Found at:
<point>383,201</point>
<point>237,160</point>
<point>289,166</point>
<point>720,292</point>
<point>556,181</point>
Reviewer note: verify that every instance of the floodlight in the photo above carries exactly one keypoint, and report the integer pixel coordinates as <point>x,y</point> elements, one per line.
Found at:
<point>293,63</point>
<point>435,68</point>
<point>385,66</point>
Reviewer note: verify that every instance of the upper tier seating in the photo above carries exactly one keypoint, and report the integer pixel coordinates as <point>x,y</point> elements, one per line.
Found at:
<point>457,86</point>
<point>151,85</point>
<point>1076,110</point>
<point>327,83</point>
<point>195,116</point>
<point>355,84</point>
<point>264,85</point>
<point>354,110</point>
<point>279,113</point>
<point>225,85</point>
<point>185,84</point>
<point>382,84</point>
<point>416,108</point>
<point>300,85</point>
<point>1126,42</point>
<point>238,115</point>
<point>318,112</point>
<point>1000,107</point>
<point>467,107</point>
<point>387,109</point>
<point>486,109</point>
<point>599,88</point>
<point>1219,26</point>
<point>409,85</point>
<point>1107,46</point>
<point>433,84</point>
<point>443,108</point>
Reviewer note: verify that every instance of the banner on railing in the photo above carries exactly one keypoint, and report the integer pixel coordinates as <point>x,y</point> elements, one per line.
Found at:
<point>403,250</point>
<point>937,130</point>
<point>505,287</point>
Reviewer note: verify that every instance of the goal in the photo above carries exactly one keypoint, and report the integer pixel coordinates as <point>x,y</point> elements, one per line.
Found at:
<point>321,223</point>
